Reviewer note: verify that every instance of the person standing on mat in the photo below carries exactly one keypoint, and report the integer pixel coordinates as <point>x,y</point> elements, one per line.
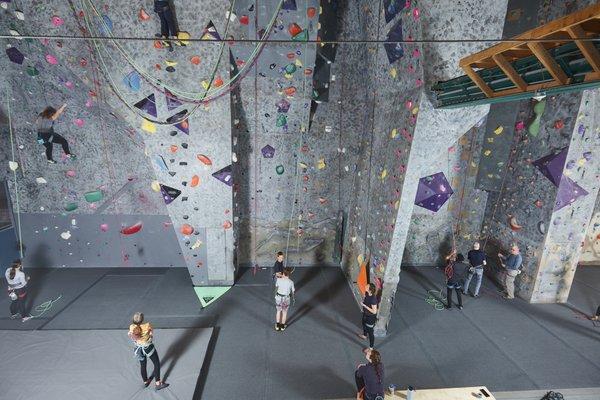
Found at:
<point>278,267</point>
<point>369,316</point>
<point>46,134</point>
<point>285,289</point>
<point>168,25</point>
<point>512,263</point>
<point>477,260</point>
<point>369,377</point>
<point>17,291</point>
<point>455,272</point>
<point>141,333</point>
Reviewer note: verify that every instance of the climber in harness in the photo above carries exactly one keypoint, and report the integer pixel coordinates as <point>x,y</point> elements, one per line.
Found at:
<point>141,333</point>
<point>46,135</point>
<point>284,296</point>
<point>455,272</point>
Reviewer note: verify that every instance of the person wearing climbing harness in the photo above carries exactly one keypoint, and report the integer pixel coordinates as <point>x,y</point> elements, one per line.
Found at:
<point>168,26</point>
<point>512,263</point>
<point>278,267</point>
<point>46,134</point>
<point>141,333</point>
<point>17,291</point>
<point>285,290</point>
<point>455,272</point>
<point>369,316</point>
<point>477,260</point>
<point>369,377</point>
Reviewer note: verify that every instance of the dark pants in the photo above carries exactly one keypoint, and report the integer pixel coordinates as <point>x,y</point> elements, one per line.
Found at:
<point>50,139</point>
<point>598,311</point>
<point>368,330</point>
<point>167,22</point>
<point>155,361</point>
<point>449,295</point>
<point>360,385</point>
<point>18,306</point>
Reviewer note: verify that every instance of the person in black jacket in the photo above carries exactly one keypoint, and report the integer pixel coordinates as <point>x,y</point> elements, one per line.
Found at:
<point>455,272</point>
<point>369,377</point>
<point>369,317</point>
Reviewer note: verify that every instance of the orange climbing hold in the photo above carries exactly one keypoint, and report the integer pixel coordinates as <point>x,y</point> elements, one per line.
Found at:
<point>227,224</point>
<point>195,181</point>
<point>294,29</point>
<point>218,81</point>
<point>174,148</point>
<point>195,60</point>
<point>187,229</point>
<point>289,91</point>
<point>311,12</point>
<point>143,15</point>
<point>361,280</point>
<point>204,159</point>
<point>157,44</point>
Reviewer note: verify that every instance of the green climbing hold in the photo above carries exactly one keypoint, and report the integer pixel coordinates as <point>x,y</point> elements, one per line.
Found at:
<point>290,68</point>
<point>93,196</point>
<point>279,169</point>
<point>301,37</point>
<point>71,207</point>
<point>538,109</point>
<point>281,120</point>
<point>32,71</point>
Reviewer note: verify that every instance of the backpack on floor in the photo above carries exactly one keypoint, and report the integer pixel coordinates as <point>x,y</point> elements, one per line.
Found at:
<point>553,396</point>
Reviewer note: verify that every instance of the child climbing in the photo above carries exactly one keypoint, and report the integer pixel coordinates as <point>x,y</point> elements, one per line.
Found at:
<point>46,134</point>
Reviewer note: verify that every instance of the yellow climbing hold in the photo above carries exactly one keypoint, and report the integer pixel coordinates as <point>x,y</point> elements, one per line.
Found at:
<point>170,63</point>
<point>148,126</point>
<point>302,165</point>
<point>487,152</point>
<point>397,204</point>
<point>499,130</point>
<point>415,110</point>
<point>321,164</point>
<point>204,84</point>
<point>394,133</point>
<point>155,186</point>
<point>393,72</point>
<point>383,174</point>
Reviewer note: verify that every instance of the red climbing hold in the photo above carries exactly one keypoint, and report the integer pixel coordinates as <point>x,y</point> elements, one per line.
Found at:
<point>143,15</point>
<point>244,20</point>
<point>187,229</point>
<point>130,230</point>
<point>294,29</point>
<point>311,12</point>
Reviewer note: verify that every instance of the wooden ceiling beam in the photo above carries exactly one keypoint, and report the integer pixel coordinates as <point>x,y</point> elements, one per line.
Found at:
<point>478,80</point>
<point>510,72</point>
<point>589,51</point>
<point>546,59</point>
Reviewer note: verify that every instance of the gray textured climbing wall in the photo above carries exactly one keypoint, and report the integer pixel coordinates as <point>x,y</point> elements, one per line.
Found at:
<point>590,252</point>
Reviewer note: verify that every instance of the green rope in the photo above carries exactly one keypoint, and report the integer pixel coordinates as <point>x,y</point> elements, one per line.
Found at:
<point>44,307</point>
<point>436,299</point>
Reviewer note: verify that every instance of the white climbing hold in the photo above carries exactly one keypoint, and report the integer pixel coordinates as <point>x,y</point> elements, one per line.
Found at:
<point>66,235</point>
<point>40,180</point>
<point>13,165</point>
<point>233,157</point>
<point>19,14</point>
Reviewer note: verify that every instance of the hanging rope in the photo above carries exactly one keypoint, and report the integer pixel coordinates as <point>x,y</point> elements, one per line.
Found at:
<point>12,152</point>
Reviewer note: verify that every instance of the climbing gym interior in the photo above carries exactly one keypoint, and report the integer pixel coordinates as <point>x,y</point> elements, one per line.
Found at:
<point>425,172</point>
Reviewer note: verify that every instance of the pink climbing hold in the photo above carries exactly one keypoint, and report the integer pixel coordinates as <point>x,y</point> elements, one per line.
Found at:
<point>520,125</point>
<point>416,13</point>
<point>51,59</point>
<point>69,84</point>
<point>57,21</point>
<point>79,122</point>
<point>408,105</point>
<point>70,173</point>
<point>227,224</point>
<point>104,227</point>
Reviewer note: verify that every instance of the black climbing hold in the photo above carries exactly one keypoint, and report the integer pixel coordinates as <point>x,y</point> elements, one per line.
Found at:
<point>172,173</point>
<point>184,145</point>
<point>173,133</point>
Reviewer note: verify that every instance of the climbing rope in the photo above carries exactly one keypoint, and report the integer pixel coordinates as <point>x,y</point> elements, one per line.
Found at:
<point>436,299</point>
<point>12,151</point>
<point>41,309</point>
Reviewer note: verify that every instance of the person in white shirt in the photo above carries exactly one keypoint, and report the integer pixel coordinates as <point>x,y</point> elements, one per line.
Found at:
<point>17,290</point>
<point>285,290</point>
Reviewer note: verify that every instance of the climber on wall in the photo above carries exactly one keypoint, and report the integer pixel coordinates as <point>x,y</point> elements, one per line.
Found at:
<point>168,25</point>
<point>46,134</point>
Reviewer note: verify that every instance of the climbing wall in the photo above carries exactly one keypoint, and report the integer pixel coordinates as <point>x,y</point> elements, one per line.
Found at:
<point>590,252</point>
<point>432,233</point>
<point>276,208</point>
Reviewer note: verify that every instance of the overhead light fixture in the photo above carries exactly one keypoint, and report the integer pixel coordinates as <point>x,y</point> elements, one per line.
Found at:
<point>539,95</point>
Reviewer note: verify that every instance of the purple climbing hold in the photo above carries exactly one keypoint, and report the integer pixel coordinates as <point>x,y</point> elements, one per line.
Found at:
<point>433,192</point>
<point>394,51</point>
<point>148,105</point>
<point>15,55</point>
<point>224,175</point>
<point>568,192</point>
<point>552,165</point>
<point>168,193</point>
<point>587,155</point>
<point>268,151</point>
<point>172,101</point>
<point>283,106</point>
<point>581,129</point>
<point>289,5</point>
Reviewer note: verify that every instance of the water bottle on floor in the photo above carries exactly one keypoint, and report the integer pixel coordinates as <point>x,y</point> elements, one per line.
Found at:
<point>410,393</point>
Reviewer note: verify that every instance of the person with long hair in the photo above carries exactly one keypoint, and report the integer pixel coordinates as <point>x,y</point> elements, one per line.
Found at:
<point>141,333</point>
<point>17,291</point>
<point>284,291</point>
<point>455,272</point>
<point>369,316</point>
<point>369,377</point>
<point>46,134</point>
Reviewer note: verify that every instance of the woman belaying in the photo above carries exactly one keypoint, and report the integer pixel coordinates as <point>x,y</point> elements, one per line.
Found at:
<point>46,134</point>
<point>17,291</point>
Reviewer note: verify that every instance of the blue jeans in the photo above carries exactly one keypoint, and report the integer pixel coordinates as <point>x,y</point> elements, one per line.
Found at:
<point>479,273</point>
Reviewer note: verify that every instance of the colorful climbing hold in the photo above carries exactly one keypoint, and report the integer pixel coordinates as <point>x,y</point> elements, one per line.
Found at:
<point>104,227</point>
<point>279,169</point>
<point>132,229</point>
<point>71,207</point>
<point>51,59</point>
<point>186,229</point>
<point>143,15</point>
<point>195,181</point>
<point>57,21</point>
<point>227,224</point>
<point>311,12</point>
<point>93,196</point>
<point>195,60</point>
<point>204,159</point>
